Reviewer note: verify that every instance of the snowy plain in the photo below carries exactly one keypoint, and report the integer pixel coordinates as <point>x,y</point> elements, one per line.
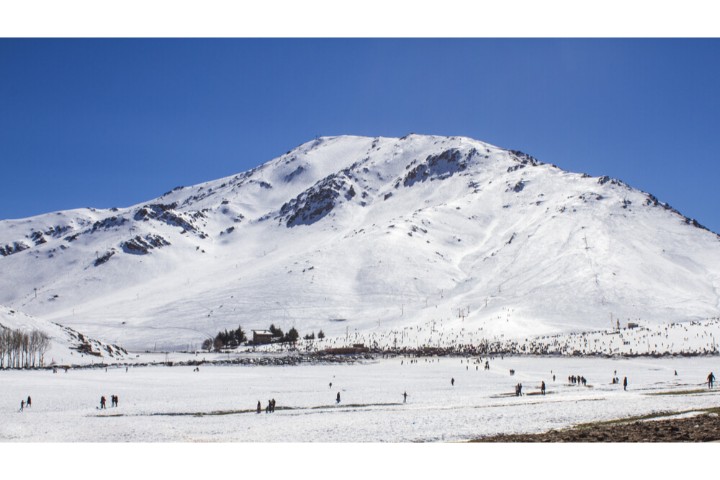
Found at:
<point>217,403</point>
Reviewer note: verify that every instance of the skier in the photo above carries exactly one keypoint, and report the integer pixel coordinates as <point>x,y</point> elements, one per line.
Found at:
<point>625,383</point>
<point>29,402</point>
<point>102,402</point>
<point>22,405</point>
<point>272,405</point>
<point>404,397</point>
<point>259,407</point>
<point>711,380</point>
<point>542,387</point>
<point>337,399</point>
<point>452,382</point>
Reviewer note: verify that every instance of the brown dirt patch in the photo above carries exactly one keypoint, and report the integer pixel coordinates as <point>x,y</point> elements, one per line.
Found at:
<point>704,427</point>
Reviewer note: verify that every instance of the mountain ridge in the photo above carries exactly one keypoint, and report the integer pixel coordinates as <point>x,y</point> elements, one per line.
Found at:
<point>371,230</point>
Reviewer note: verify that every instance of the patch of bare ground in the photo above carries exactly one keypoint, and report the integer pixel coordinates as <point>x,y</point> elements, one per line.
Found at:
<point>704,426</point>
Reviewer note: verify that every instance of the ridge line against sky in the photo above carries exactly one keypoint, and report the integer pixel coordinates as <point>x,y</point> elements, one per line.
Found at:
<point>115,122</point>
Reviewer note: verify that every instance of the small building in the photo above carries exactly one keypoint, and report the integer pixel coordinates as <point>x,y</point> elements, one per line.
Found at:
<point>633,325</point>
<point>261,337</point>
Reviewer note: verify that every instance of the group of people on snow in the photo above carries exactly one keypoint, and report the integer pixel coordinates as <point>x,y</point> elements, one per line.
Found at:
<point>113,401</point>
<point>573,379</point>
<point>24,403</point>
<point>270,406</point>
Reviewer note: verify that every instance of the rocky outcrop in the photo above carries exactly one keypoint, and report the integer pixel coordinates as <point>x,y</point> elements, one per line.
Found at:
<point>142,245</point>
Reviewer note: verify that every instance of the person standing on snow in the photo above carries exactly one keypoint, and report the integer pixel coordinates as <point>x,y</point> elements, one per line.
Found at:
<point>625,383</point>
<point>711,380</point>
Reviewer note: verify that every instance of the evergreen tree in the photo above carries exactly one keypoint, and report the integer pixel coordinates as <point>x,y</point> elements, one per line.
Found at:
<point>240,335</point>
<point>276,332</point>
<point>292,335</point>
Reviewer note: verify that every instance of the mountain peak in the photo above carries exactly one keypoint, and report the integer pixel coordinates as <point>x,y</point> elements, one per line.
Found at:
<point>383,232</point>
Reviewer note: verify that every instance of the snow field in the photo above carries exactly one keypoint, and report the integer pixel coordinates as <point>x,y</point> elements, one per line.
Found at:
<point>216,404</point>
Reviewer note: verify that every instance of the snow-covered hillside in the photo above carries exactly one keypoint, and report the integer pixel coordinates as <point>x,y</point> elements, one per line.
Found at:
<point>350,234</point>
<point>65,347</point>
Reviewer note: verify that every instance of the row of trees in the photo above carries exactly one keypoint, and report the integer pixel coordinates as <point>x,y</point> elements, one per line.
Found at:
<point>278,336</point>
<point>292,336</point>
<point>226,339</point>
<point>235,338</point>
<point>19,349</point>
<point>311,335</point>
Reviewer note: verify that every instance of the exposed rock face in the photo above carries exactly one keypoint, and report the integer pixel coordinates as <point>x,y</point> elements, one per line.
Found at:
<point>438,167</point>
<point>104,258</point>
<point>318,201</point>
<point>142,245</point>
<point>12,248</point>
<point>166,214</point>
<point>110,222</point>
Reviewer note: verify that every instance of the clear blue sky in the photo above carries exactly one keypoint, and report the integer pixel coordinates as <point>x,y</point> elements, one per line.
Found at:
<point>113,122</point>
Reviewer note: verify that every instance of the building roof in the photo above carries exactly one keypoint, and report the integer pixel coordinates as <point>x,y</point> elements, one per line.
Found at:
<point>262,332</point>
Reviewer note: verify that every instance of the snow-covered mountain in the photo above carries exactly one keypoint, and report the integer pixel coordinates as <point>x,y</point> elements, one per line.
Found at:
<point>354,233</point>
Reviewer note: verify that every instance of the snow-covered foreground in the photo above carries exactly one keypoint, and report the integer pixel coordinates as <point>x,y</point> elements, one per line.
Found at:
<point>163,404</point>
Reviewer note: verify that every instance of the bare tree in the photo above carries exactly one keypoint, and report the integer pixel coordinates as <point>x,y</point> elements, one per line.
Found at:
<point>19,349</point>
<point>43,345</point>
<point>2,346</point>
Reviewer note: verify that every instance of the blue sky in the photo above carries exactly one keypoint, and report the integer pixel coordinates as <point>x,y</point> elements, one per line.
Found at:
<point>114,122</point>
